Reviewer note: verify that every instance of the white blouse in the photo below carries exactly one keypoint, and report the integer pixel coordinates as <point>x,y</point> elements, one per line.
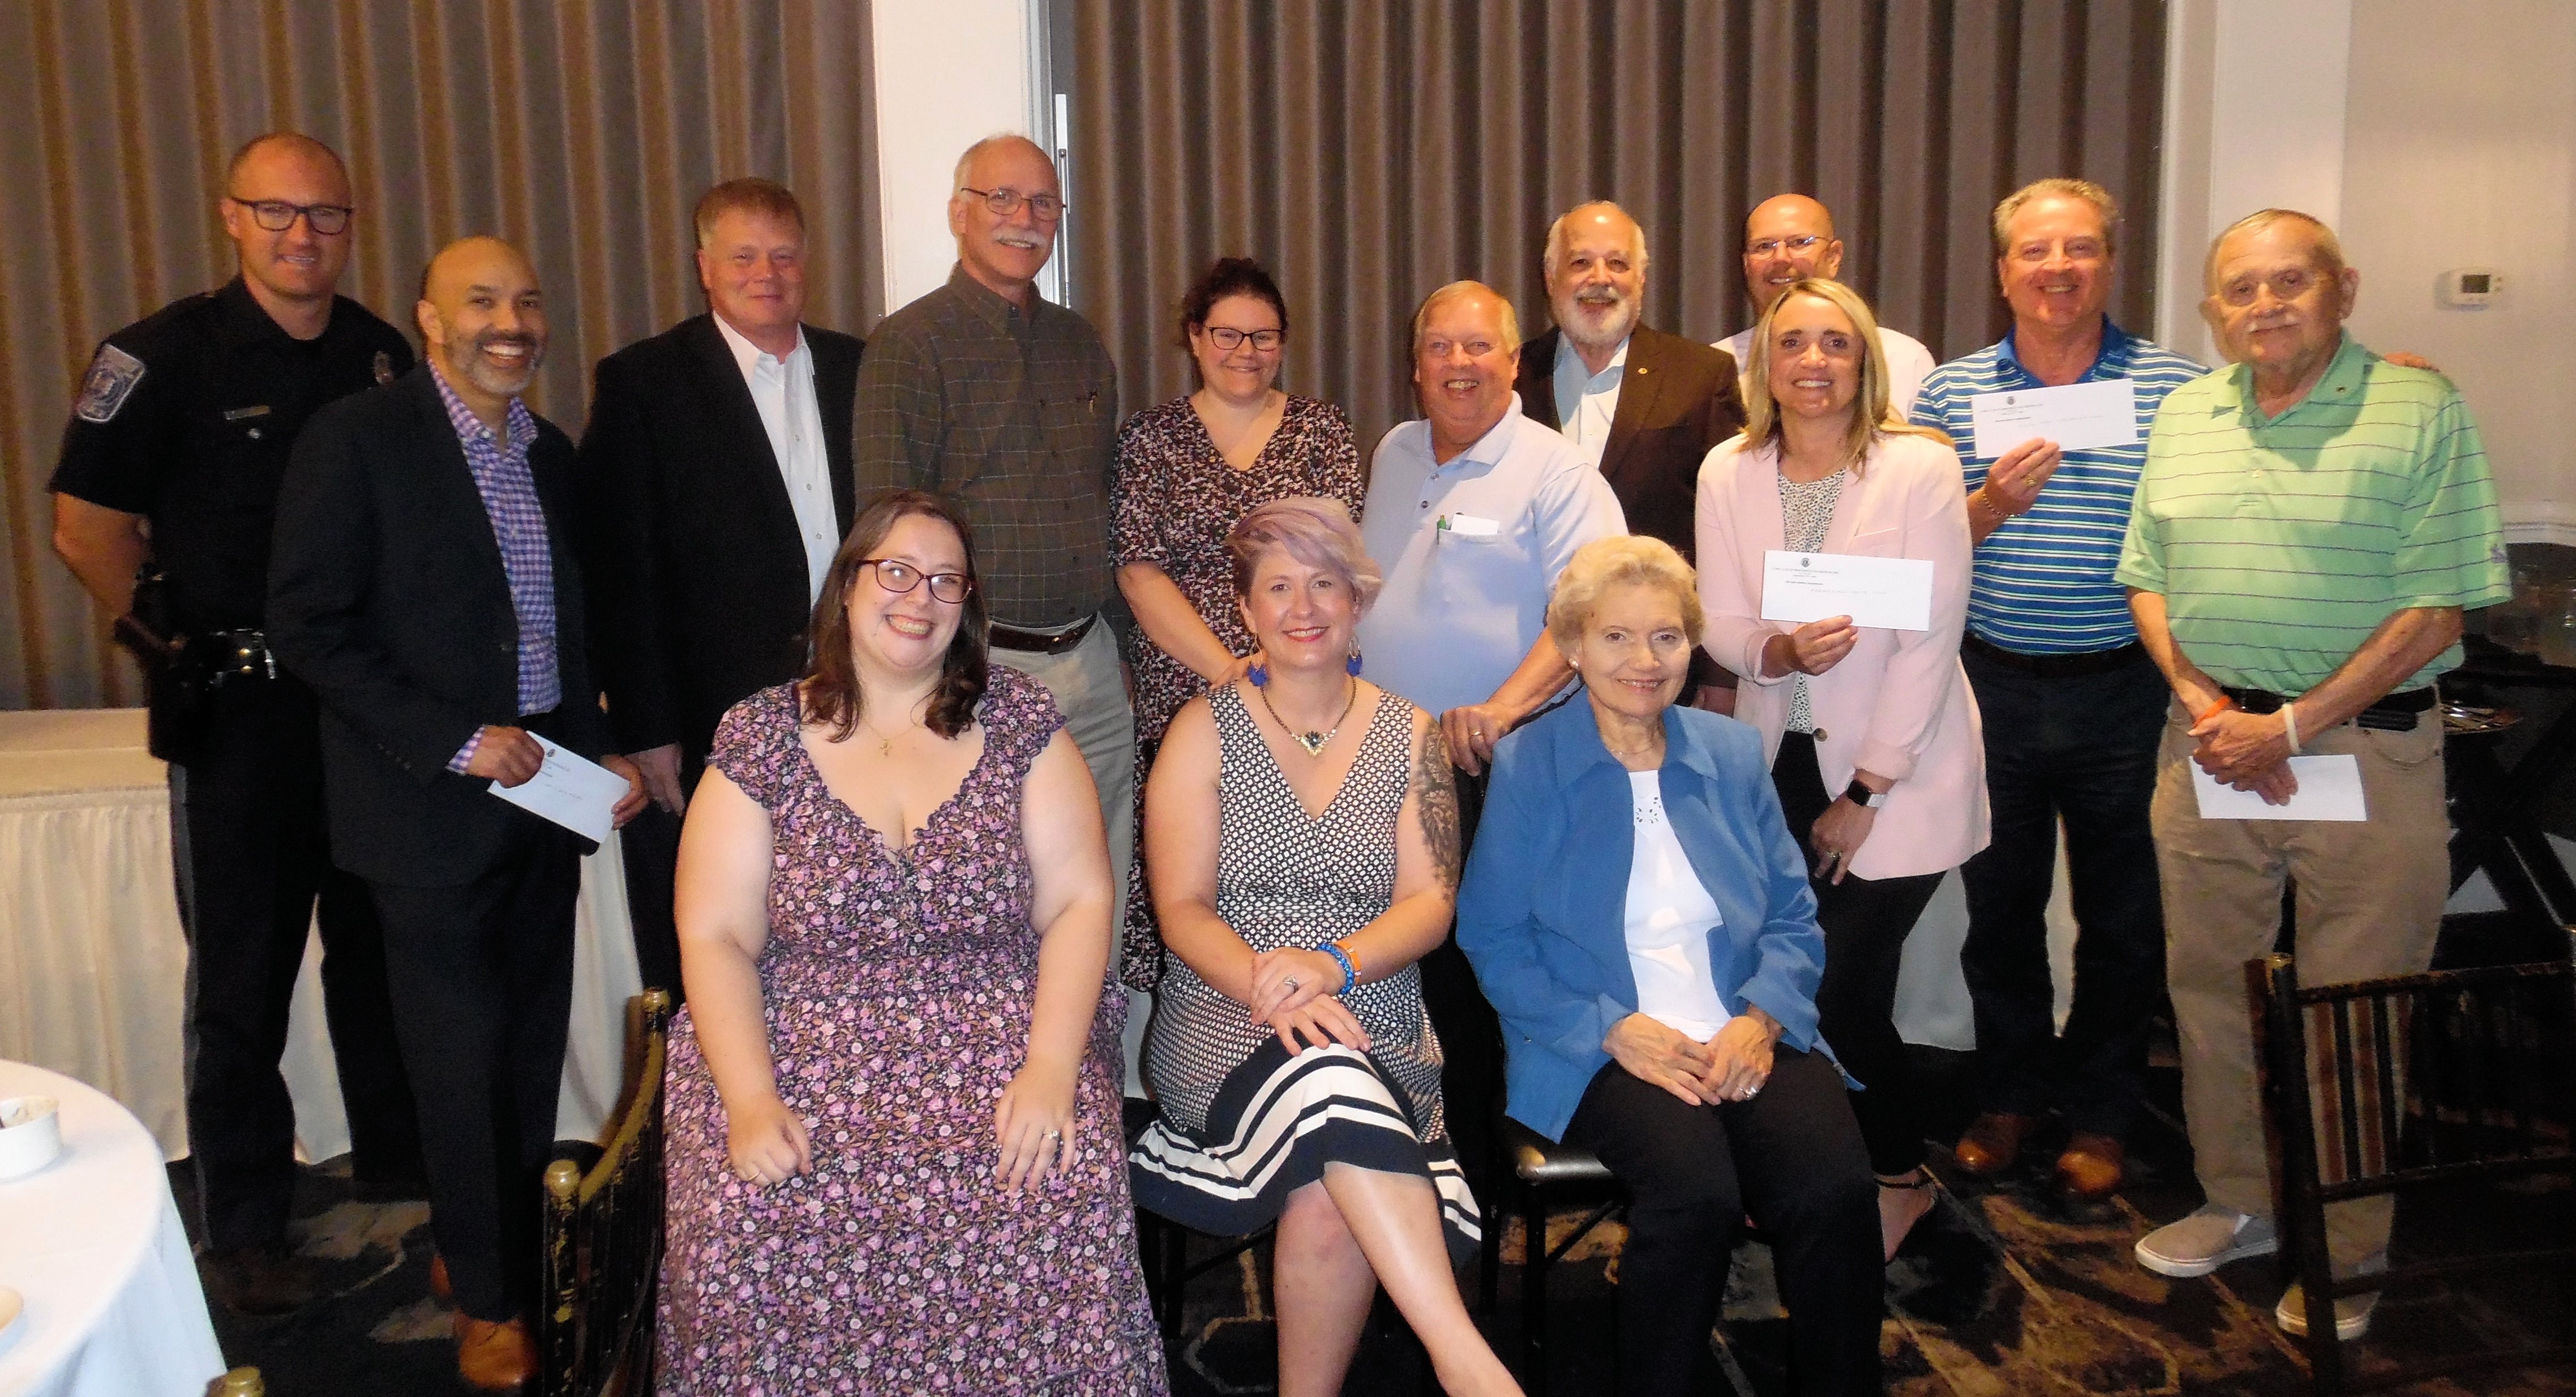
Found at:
<point>1670,916</point>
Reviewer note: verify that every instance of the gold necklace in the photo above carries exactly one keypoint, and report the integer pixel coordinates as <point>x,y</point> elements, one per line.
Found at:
<point>1314,742</point>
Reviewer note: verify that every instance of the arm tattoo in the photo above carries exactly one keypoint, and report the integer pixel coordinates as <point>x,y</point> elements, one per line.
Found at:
<point>1435,791</point>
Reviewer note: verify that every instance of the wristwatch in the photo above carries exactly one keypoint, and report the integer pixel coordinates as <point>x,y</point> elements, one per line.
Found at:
<point>1863,796</point>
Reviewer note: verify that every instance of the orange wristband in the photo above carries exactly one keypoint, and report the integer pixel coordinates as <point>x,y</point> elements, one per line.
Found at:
<point>2224,703</point>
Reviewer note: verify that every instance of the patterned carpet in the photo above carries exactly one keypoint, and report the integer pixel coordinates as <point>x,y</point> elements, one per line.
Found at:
<point>2003,1290</point>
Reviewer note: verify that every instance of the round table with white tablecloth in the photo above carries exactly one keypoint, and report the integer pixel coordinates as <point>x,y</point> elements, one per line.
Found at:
<point>92,1242</point>
<point>93,962</point>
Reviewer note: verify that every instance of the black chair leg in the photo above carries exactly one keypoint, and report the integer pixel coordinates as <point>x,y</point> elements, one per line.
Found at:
<point>1489,1261</point>
<point>1534,1261</point>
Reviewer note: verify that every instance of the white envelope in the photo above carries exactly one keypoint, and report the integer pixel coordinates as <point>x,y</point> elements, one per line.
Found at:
<point>2078,417</point>
<point>571,790</point>
<point>2329,789</point>
<point>1890,593</point>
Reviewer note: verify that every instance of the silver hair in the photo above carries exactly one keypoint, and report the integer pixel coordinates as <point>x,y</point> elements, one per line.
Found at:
<point>1555,252</point>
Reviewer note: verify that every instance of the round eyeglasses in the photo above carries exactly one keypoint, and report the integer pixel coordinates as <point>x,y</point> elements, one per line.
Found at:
<point>277,215</point>
<point>950,587</point>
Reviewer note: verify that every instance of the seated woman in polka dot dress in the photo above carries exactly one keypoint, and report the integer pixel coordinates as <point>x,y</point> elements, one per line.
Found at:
<point>1304,842</point>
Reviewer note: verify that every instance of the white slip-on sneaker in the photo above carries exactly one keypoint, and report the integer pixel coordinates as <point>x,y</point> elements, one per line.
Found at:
<point>2205,1241</point>
<point>2352,1312</point>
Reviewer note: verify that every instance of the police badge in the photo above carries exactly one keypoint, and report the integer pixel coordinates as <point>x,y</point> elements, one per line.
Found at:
<point>384,368</point>
<point>111,379</point>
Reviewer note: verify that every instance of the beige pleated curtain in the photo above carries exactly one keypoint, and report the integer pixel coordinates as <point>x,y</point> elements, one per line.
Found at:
<point>582,130</point>
<point>1370,150</point>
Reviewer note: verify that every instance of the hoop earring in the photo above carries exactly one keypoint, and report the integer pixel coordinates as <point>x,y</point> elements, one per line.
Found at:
<point>1351,666</point>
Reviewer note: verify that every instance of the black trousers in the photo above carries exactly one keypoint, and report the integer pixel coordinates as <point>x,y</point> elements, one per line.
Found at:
<point>251,851</point>
<point>482,986</point>
<point>649,848</point>
<point>2081,750</point>
<point>1793,1158</point>
<point>1865,921</point>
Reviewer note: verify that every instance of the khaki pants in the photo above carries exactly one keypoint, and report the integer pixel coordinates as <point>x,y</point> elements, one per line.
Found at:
<point>1091,692</point>
<point>2370,900</point>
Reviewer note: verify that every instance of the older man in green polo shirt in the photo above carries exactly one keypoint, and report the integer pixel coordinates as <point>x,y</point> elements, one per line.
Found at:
<point>2310,524</point>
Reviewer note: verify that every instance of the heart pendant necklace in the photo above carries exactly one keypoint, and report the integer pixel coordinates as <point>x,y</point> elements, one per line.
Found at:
<point>1313,742</point>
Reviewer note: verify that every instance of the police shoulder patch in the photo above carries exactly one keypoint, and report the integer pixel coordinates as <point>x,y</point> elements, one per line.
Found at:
<point>111,379</point>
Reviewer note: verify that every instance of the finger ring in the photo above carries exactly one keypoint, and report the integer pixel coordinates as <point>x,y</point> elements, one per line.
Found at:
<point>1052,1135</point>
<point>1292,982</point>
<point>1475,732</point>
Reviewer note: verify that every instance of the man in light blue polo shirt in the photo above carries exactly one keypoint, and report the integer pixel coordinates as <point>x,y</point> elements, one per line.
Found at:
<point>1473,509</point>
<point>2073,706</point>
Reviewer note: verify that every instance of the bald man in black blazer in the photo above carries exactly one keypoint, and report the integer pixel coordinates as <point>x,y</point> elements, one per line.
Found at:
<point>716,482</point>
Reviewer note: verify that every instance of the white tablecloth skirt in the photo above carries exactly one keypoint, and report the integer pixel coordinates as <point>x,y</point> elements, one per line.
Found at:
<point>93,964</point>
<point>93,1244</point>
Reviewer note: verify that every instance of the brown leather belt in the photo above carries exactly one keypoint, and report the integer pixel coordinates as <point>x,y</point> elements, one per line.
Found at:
<point>1002,637</point>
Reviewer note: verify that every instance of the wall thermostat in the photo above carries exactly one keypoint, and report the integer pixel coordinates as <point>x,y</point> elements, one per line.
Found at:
<point>2471,286</point>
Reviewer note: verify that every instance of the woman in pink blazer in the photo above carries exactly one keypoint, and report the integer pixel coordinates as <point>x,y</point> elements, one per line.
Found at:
<point>1871,733</point>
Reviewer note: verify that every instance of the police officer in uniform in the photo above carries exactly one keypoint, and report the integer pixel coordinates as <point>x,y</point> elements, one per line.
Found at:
<point>170,470</point>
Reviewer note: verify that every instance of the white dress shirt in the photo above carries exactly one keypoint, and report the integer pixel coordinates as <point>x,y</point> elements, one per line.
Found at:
<point>783,390</point>
<point>1587,401</point>
<point>1908,364</point>
<point>1670,916</point>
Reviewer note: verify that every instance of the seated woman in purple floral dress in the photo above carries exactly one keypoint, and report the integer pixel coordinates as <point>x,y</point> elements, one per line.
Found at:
<point>894,1153</point>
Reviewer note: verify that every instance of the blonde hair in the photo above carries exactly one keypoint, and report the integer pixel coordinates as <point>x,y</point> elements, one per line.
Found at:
<point>2059,188</point>
<point>1457,289</point>
<point>1618,561</point>
<point>1313,530</point>
<point>1870,418</point>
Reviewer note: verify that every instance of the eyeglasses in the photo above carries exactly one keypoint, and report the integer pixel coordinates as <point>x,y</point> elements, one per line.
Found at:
<point>1228,337</point>
<point>277,215</point>
<point>1768,246</point>
<point>1005,202</point>
<point>950,587</point>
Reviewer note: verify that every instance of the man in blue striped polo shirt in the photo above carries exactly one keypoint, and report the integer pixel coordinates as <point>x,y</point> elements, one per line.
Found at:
<point>2073,707</point>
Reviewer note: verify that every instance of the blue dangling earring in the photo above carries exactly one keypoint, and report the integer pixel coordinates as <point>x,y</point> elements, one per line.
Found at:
<point>1259,675</point>
<point>1352,665</point>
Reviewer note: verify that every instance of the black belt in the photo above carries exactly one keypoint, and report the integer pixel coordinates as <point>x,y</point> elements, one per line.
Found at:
<point>2394,713</point>
<point>1002,637</point>
<point>236,655</point>
<point>2073,666</point>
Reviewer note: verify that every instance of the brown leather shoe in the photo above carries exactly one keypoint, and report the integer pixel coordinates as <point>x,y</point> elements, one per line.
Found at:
<point>262,1282</point>
<point>494,1357</point>
<point>438,1282</point>
<point>2093,1166</point>
<point>1992,1145</point>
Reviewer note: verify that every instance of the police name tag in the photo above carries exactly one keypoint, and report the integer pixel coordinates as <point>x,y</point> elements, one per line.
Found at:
<point>110,381</point>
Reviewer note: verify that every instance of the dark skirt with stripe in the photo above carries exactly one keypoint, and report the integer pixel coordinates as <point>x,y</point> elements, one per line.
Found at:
<point>1274,1125</point>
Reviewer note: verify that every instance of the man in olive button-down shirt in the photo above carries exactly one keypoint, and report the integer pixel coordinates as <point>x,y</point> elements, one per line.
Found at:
<point>984,392</point>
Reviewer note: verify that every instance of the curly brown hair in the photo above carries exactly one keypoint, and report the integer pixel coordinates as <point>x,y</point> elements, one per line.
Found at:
<point>830,690</point>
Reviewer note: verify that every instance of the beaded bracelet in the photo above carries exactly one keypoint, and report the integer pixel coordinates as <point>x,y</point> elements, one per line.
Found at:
<point>1342,958</point>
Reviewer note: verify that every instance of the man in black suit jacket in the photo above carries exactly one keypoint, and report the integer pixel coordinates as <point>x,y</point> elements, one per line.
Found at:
<point>715,487</point>
<point>1646,406</point>
<point>424,586</point>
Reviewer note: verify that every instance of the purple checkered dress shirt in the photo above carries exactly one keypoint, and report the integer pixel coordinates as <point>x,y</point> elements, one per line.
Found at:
<point>509,492</point>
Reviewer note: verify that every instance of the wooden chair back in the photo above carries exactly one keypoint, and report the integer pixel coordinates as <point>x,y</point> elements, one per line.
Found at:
<point>603,1235</point>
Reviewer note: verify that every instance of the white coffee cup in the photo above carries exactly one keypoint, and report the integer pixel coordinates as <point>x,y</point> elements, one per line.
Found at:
<point>30,1135</point>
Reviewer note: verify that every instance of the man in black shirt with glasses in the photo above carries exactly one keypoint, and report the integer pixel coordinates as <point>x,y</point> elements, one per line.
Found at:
<point>169,474</point>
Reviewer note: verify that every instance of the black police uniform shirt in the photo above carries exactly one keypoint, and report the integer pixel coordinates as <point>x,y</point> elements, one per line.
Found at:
<point>187,416</point>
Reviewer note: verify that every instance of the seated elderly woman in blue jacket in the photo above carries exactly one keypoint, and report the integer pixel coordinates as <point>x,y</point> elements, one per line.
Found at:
<point>1639,915</point>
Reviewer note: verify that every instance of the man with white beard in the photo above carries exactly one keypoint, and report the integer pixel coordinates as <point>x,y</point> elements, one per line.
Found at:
<point>1643,406</point>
